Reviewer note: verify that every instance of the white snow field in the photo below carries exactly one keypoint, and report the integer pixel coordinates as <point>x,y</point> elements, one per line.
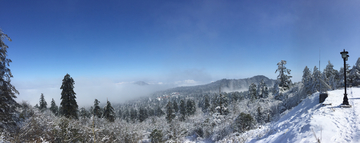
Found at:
<point>329,123</point>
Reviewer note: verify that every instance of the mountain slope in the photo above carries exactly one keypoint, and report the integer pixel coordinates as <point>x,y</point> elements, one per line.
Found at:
<point>329,123</point>
<point>227,85</point>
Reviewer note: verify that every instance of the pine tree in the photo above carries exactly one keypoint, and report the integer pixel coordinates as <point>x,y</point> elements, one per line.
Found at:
<point>316,80</point>
<point>109,113</point>
<point>97,109</point>
<point>84,113</point>
<point>42,102</point>
<point>284,75</point>
<point>252,92</point>
<point>182,110</point>
<point>133,115</point>
<point>176,107</point>
<point>307,80</point>
<point>190,107</point>
<point>159,112</point>
<point>355,73</point>
<point>68,102</point>
<point>206,104</point>
<point>262,90</point>
<point>143,114</point>
<point>54,107</point>
<point>170,113</point>
<point>222,103</point>
<point>7,90</point>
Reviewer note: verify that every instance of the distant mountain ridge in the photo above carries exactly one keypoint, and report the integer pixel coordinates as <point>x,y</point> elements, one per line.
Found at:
<point>142,83</point>
<point>227,85</point>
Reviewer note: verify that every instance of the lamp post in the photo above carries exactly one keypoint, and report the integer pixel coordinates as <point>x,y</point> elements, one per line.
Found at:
<point>344,55</point>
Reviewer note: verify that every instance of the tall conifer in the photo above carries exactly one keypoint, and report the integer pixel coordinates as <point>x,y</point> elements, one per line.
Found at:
<point>68,102</point>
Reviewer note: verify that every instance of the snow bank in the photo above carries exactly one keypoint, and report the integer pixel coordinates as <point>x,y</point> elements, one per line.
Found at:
<point>311,121</point>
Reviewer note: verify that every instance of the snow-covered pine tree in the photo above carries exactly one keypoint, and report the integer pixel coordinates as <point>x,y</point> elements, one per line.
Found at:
<point>206,105</point>
<point>176,107</point>
<point>252,92</point>
<point>159,112</point>
<point>97,109</point>
<point>182,110</point>
<point>84,113</point>
<point>133,115</point>
<point>341,76</point>
<point>8,91</point>
<point>222,103</point>
<point>68,101</point>
<point>54,107</point>
<point>329,72</point>
<point>170,113</point>
<point>109,113</point>
<point>315,80</point>
<point>143,114</point>
<point>307,80</point>
<point>356,73</point>
<point>262,90</point>
<point>42,102</point>
<point>284,75</point>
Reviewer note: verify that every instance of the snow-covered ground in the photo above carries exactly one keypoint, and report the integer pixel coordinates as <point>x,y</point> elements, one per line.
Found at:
<point>310,121</point>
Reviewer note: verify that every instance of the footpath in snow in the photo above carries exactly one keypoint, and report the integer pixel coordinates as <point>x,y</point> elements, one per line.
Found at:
<point>329,123</point>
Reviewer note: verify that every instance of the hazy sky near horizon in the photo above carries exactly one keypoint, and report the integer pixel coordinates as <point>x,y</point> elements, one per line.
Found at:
<point>104,44</point>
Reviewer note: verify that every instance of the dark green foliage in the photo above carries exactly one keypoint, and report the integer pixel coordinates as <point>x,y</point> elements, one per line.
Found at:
<point>133,115</point>
<point>143,114</point>
<point>170,113</point>
<point>97,110</point>
<point>54,107</point>
<point>176,107</point>
<point>42,102</point>
<point>222,103</point>
<point>109,113</point>
<point>8,91</point>
<point>159,112</point>
<point>190,107</point>
<point>156,136</point>
<point>252,92</point>
<point>244,122</point>
<point>206,105</point>
<point>68,102</point>
<point>182,110</point>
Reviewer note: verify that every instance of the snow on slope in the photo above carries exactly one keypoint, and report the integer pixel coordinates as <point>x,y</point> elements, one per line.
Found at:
<point>329,123</point>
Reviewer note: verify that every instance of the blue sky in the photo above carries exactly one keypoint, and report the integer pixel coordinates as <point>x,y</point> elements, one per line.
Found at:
<point>110,42</point>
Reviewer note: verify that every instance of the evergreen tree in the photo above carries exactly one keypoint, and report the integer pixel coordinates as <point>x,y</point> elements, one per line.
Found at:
<point>159,112</point>
<point>54,107</point>
<point>252,91</point>
<point>97,110</point>
<point>316,80</point>
<point>222,105</point>
<point>341,76</point>
<point>42,102</point>
<point>133,115</point>
<point>68,102</point>
<point>262,90</point>
<point>190,107</point>
<point>170,113</point>
<point>284,75</point>
<point>176,107</point>
<point>84,113</point>
<point>307,80</point>
<point>244,122</point>
<point>206,104</point>
<point>355,73</point>
<point>7,90</point>
<point>143,114</point>
<point>126,115</point>
<point>109,113</point>
<point>182,110</point>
